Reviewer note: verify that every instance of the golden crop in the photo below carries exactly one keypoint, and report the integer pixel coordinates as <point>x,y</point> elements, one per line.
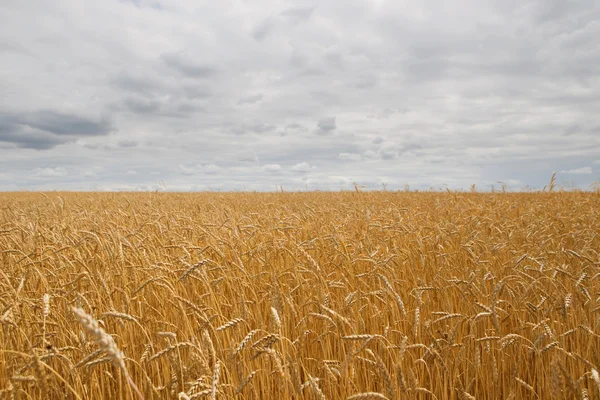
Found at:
<point>368,295</point>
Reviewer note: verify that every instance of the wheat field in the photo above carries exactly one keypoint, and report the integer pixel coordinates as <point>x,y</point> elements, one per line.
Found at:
<point>360,295</point>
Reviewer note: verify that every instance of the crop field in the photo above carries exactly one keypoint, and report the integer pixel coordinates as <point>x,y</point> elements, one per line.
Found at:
<point>359,295</point>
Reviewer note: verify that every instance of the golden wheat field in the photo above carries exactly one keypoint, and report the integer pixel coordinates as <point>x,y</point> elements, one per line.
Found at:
<point>360,295</point>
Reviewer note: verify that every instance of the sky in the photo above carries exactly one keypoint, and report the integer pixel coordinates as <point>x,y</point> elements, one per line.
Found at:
<point>188,95</point>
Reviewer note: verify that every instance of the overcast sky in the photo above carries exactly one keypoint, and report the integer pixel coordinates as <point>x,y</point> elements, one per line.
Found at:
<point>254,94</point>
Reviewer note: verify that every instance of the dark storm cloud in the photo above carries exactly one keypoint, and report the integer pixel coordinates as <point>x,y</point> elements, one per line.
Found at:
<point>21,137</point>
<point>46,129</point>
<point>65,124</point>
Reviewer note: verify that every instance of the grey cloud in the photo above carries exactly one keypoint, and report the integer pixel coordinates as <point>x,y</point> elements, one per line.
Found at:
<point>135,83</point>
<point>99,146</point>
<point>325,97</point>
<point>294,128</point>
<point>25,138</point>
<point>388,112</point>
<point>295,125</point>
<point>572,130</point>
<point>142,87</point>
<point>298,14</point>
<point>248,157</point>
<point>6,47</point>
<point>185,109</point>
<point>45,129</point>
<point>554,10</point>
<point>334,59</point>
<point>366,82</point>
<point>297,59</point>
<point>172,106</point>
<point>187,66</point>
<point>311,72</point>
<point>392,151</point>
<point>196,92</point>
<point>253,127</point>
<point>326,125</point>
<point>65,124</point>
<point>293,14</point>
<point>141,105</point>
<point>388,153</point>
<point>263,28</point>
<point>128,143</point>
<point>370,154</point>
<point>7,124</point>
<point>252,99</point>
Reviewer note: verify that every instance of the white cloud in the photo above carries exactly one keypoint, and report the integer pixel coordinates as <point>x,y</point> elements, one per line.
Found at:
<point>370,155</point>
<point>597,162</point>
<point>248,157</point>
<point>301,167</point>
<point>187,170</point>
<point>349,156</point>
<point>272,167</point>
<point>56,172</point>
<point>578,171</point>
<point>211,169</point>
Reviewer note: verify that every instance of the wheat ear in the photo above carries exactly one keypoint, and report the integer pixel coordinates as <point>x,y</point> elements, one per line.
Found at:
<point>106,343</point>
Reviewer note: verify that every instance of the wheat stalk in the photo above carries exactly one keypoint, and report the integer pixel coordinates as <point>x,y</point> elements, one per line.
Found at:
<point>106,344</point>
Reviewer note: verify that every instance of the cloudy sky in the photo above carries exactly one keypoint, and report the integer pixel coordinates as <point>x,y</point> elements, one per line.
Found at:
<point>254,94</point>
